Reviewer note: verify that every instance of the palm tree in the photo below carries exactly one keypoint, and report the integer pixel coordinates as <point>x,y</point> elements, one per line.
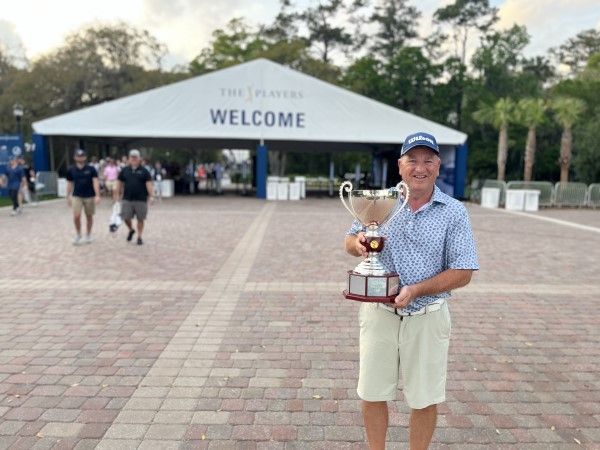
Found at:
<point>531,112</point>
<point>499,116</point>
<point>567,111</point>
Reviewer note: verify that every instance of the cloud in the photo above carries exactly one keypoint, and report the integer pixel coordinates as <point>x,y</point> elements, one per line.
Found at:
<point>11,43</point>
<point>186,26</point>
<point>550,23</point>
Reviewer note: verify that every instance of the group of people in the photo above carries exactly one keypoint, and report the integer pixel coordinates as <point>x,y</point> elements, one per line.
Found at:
<point>205,177</point>
<point>21,184</point>
<point>131,189</point>
<point>108,170</point>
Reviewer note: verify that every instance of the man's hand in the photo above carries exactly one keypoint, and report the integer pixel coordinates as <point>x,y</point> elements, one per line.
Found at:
<point>405,296</point>
<point>97,199</point>
<point>360,248</point>
<point>150,200</point>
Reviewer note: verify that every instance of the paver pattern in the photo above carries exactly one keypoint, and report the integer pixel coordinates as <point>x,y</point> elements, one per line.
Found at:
<point>227,330</point>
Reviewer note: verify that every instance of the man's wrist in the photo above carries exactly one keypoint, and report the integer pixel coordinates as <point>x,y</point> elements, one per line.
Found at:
<point>415,291</point>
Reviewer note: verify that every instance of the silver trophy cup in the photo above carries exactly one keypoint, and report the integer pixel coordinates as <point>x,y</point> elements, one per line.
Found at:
<point>369,281</point>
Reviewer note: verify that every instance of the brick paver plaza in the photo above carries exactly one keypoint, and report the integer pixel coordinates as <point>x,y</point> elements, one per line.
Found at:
<point>227,330</point>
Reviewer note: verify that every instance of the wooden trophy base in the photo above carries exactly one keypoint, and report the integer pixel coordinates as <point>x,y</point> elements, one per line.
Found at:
<point>372,288</point>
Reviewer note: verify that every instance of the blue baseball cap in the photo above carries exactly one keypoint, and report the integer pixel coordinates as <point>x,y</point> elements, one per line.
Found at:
<point>419,139</point>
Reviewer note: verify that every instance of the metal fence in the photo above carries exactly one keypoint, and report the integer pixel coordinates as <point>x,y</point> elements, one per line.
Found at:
<point>593,195</point>
<point>570,194</point>
<point>545,187</point>
<point>46,183</point>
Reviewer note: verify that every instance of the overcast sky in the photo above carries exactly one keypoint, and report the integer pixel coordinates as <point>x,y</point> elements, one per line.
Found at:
<point>34,27</point>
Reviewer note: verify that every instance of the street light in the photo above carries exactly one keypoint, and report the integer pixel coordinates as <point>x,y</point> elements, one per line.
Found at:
<point>18,113</point>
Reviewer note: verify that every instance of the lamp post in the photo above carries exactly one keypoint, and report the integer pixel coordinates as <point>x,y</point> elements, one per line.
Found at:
<point>18,113</point>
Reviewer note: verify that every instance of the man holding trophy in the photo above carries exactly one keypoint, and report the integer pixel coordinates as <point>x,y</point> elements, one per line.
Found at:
<point>419,246</point>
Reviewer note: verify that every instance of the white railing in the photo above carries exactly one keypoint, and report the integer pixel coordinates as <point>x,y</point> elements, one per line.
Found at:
<point>570,194</point>
<point>593,195</point>
<point>46,183</point>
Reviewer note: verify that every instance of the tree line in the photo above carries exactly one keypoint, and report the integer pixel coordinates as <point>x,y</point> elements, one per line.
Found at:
<point>532,118</point>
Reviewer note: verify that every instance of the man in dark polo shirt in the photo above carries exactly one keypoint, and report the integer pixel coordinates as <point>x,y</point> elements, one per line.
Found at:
<point>83,193</point>
<point>135,188</point>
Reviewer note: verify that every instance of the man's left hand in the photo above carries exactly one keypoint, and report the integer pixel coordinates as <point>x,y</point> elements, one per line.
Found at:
<point>405,296</point>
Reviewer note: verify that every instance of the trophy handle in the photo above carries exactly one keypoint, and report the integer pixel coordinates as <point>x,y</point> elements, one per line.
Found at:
<point>347,187</point>
<point>400,186</point>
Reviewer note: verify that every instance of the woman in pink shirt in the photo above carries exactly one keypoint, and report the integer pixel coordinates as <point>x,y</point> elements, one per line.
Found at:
<point>111,172</point>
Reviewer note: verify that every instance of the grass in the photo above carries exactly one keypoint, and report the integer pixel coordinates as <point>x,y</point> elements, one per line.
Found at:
<point>6,201</point>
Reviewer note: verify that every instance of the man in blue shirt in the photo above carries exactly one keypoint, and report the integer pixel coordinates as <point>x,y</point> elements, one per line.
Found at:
<point>83,193</point>
<point>15,181</point>
<point>430,244</point>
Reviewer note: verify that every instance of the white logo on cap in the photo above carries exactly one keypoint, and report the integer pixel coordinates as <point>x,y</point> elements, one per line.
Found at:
<point>421,138</point>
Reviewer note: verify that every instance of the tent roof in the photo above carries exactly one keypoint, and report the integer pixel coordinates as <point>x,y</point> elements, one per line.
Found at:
<point>248,102</point>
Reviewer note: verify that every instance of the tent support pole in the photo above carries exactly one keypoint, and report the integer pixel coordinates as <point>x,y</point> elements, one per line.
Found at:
<point>331,174</point>
<point>261,170</point>
<point>51,148</point>
<point>460,170</point>
<point>40,155</point>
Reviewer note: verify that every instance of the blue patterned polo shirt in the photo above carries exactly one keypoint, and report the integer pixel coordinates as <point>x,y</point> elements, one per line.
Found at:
<point>422,244</point>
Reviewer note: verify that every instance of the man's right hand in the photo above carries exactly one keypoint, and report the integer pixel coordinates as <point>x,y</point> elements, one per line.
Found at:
<point>361,250</point>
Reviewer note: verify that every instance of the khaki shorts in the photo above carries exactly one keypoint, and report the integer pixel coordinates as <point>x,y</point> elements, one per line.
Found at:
<point>415,347</point>
<point>86,203</point>
<point>130,209</point>
<point>111,185</point>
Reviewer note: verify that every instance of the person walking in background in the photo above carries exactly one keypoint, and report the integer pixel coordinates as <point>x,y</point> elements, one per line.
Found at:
<point>201,171</point>
<point>136,191</point>
<point>83,193</point>
<point>158,174</point>
<point>16,180</point>
<point>210,179</point>
<point>95,164</point>
<point>31,181</point>
<point>23,195</point>
<point>218,171</point>
<point>111,172</point>
<point>101,178</point>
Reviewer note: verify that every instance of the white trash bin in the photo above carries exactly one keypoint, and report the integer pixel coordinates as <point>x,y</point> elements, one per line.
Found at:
<point>168,188</point>
<point>302,181</point>
<point>61,187</point>
<point>532,200</point>
<point>490,197</point>
<point>283,188</point>
<point>272,188</point>
<point>295,191</point>
<point>515,199</point>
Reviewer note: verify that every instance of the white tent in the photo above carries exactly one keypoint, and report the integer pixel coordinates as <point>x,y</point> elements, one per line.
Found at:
<point>258,104</point>
<point>257,100</point>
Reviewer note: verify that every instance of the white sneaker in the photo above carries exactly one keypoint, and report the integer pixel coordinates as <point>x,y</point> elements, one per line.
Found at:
<point>14,212</point>
<point>87,239</point>
<point>77,240</point>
